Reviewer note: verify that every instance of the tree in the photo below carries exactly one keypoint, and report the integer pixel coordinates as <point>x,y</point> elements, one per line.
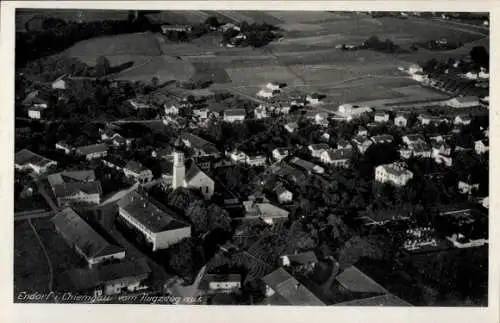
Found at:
<point>186,258</point>
<point>212,21</point>
<point>102,66</point>
<point>479,55</point>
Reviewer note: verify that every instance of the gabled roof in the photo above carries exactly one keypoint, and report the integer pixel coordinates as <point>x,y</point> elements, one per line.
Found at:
<point>79,233</point>
<point>339,154</point>
<point>382,138</point>
<point>235,113</point>
<point>380,300</point>
<point>321,146</point>
<point>269,211</point>
<point>289,288</point>
<point>355,280</point>
<point>26,156</point>
<point>73,188</point>
<point>303,163</point>
<point>395,169</point>
<point>466,99</point>
<point>96,148</point>
<point>193,171</point>
<point>135,166</point>
<point>71,176</point>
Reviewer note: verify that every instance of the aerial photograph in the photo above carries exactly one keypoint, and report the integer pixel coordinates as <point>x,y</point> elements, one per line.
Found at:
<point>211,157</point>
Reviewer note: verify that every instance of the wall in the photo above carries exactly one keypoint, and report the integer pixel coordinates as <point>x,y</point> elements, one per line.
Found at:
<point>163,240</point>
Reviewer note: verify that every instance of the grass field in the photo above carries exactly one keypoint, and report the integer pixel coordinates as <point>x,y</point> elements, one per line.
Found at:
<point>31,272</point>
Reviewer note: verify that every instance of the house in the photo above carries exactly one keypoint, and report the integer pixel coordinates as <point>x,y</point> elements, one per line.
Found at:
<point>283,288</point>
<point>200,146</point>
<point>256,160</point>
<point>238,156</point>
<point>60,83</point>
<point>394,173</point>
<point>413,139</point>
<point>61,145</point>
<point>436,138</point>
<point>280,153</point>
<point>361,132</point>
<point>266,93</point>
<point>467,187</point>
<point>22,132</point>
<point>35,112</point>
<point>220,283</point>
<point>447,160</point>
<point>282,194</point>
<point>318,149</point>
<point>325,136</point>
<point>344,144</point>
<point>176,28</point>
<point>440,148</point>
<point>77,193</point>
<point>170,109</point>
<point>291,127</point>
<point>201,114</point>
<point>93,151</point>
<point>400,121</point>
<point>413,69</point>
<point>138,104</point>
<point>234,115</point>
<point>273,86</point>
<point>362,143</point>
<point>304,259</point>
<point>287,172</point>
<point>119,141</point>
<point>349,111</point>
<point>307,166</point>
<point>337,157</point>
<point>481,146</point>
<point>81,237</point>
<point>462,120</point>
<point>265,211</point>
<point>36,99</point>
<point>229,26</point>
<point>422,150</point>
<point>126,276</point>
<point>382,139</point>
<point>355,281</point>
<point>137,171</point>
<point>463,102</point>
<point>313,98</point>
<point>260,112</point>
<point>27,160</point>
<point>159,227</point>
<point>381,117</point>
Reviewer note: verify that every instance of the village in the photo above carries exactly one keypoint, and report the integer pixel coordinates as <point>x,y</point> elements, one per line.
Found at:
<point>277,198</point>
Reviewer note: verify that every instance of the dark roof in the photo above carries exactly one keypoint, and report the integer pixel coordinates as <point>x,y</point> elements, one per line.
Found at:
<point>80,234</point>
<point>150,215</point>
<point>415,137</point>
<point>85,279</point>
<point>355,280</point>
<point>290,289</point>
<point>340,154</point>
<point>85,150</point>
<point>72,188</point>
<point>395,169</point>
<point>382,138</point>
<point>26,156</point>
<point>198,142</point>
<point>380,300</point>
<point>235,112</point>
<point>319,146</point>
<point>303,163</point>
<point>192,172</point>
<point>135,166</point>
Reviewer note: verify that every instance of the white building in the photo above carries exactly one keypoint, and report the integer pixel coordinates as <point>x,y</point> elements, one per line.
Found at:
<point>64,147</point>
<point>234,115</point>
<point>318,149</point>
<point>481,147</point>
<point>463,102</point>
<point>381,117</point>
<point>362,143</point>
<point>291,127</point>
<point>466,187</point>
<point>282,194</point>
<point>171,110</point>
<point>28,160</point>
<point>159,228</point>
<point>260,112</point>
<point>280,153</point>
<point>201,114</point>
<point>400,121</point>
<point>337,157</point>
<point>393,173</point>
<point>93,151</point>
<point>265,93</point>
<point>273,86</point>
<point>137,171</point>
<point>35,113</point>
<point>257,160</point>
<point>462,120</point>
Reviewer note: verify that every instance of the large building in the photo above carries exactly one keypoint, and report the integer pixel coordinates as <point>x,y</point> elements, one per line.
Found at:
<point>93,151</point>
<point>393,173</point>
<point>27,160</point>
<point>158,226</point>
<point>75,188</point>
<point>84,239</point>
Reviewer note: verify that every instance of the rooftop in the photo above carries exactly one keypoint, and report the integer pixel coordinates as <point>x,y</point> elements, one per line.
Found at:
<point>302,258</point>
<point>355,280</point>
<point>381,300</point>
<point>96,148</point>
<point>135,166</point>
<point>303,163</point>
<point>72,188</point>
<point>150,215</point>
<point>395,169</point>
<point>339,154</point>
<point>26,156</point>
<point>235,112</point>
<point>80,234</point>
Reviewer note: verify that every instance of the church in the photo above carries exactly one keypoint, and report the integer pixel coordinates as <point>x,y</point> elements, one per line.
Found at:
<point>194,178</point>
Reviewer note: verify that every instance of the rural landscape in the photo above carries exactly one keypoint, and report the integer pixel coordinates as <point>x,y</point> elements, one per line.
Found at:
<point>320,158</point>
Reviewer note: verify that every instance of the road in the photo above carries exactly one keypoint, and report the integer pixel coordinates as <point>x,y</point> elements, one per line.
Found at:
<point>49,262</point>
<point>33,215</point>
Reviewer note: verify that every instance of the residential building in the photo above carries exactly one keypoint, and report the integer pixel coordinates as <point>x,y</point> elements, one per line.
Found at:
<point>201,114</point>
<point>481,146</point>
<point>171,109</point>
<point>234,115</point>
<point>256,160</point>
<point>447,160</point>
<point>273,86</point>
<point>159,227</point>
<point>61,145</point>
<point>283,288</point>
<point>463,102</point>
<point>260,112</point>
<point>337,157</point>
<point>350,112</point>
<point>127,276</point>
<point>60,83</point>
<point>138,104</point>
<point>313,98</point>
<point>318,149</point>
<point>413,139</point>
<point>382,139</point>
<point>280,153</point>
<point>84,239</point>
<point>78,193</point>
<point>440,148</point>
<point>381,117</point>
<point>361,132</point>
<point>400,121</point>
<point>282,194</point>
<point>35,112</point>
<point>291,127</point>
<point>265,211</point>
<point>200,146</point>
<point>394,173</point>
<point>238,156</point>
<point>462,120</point>
<point>362,143</point>
<point>421,150</point>
<point>419,237</point>
<point>93,151</point>
<point>304,259</point>
<point>309,167</point>
<point>344,144</point>
<point>467,187</point>
<point>136,170</point>
<point>266,93</point>
<point>220,283</point>
<point>27,160</point>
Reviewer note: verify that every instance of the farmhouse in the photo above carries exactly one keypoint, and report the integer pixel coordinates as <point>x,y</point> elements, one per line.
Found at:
<point>93,151</point>
<point>394,173</point>
<point>349,112</point>
<point>463,102</point>
<point>159,227</point>
<point>60,83</point>
<point>111,279</point>
<point>283,288</point>
<point>266,93</point>
<point>313,98</point>
<point>280,153</point>
<point>36,99</point>
<point>337,157</point>
<point>400,121</point>
<point>84,239</point>
<point>27,160</point>
<point>234,115</point>
<point>136,170</point>
<point>481,146</point>
<point>381,117</point>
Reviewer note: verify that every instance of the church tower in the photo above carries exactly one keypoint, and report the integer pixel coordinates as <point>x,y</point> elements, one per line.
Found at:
<point>179,170</point>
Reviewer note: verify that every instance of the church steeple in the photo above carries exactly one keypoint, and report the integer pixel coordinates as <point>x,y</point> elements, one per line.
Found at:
<point>179,170</point>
